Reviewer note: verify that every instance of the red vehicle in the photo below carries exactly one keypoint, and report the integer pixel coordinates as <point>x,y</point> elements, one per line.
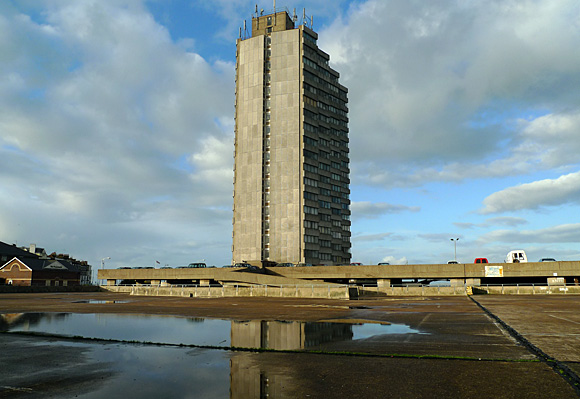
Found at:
<point>480,260</point>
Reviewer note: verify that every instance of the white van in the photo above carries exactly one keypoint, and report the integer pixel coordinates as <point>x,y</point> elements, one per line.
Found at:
<point>517,256</point>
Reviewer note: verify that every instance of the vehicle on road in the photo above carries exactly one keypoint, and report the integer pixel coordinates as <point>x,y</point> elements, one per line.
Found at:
<point>197,265</point>
<point>356,264</point>
<point>516,256</point>
<point>480,260</point>
<point>285,264</point>
<point>547,260</point>
<point>384,263</point>
<point>452,262</point>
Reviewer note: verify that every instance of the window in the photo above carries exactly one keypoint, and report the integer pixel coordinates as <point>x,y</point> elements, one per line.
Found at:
<point>325,257</point>
<point>310,182</point>
<point>309,224</point>
<point>325,230</point>
<point>310,210</point>
<point>336,211</point>
<point>311,239</point>
<point>310,154</point>
<point>310,168</point>
<point>310,141</point>
<point>324,217</point>
<point>325,243</point>
<point>324,166</point>
<point>310,253</point>
<point>324,204</point>
<point>310,196</point>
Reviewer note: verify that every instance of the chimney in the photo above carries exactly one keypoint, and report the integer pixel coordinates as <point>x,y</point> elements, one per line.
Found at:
<point>32,248</point>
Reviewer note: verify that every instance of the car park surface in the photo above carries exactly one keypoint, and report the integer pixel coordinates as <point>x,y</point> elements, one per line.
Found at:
<point>460,352</point>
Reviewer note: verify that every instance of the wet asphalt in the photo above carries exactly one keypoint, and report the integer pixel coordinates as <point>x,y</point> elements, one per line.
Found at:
<point>469,347</point>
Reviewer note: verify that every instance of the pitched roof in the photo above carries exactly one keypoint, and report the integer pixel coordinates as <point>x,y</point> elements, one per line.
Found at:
<point>12,250</point>
<point>47,264</point>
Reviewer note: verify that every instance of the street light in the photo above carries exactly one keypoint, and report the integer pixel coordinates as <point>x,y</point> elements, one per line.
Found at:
<point>103,264</point>
<point>455,244</point>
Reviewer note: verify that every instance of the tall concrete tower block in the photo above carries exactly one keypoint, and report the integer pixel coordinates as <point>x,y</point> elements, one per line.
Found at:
<point>291,177</point>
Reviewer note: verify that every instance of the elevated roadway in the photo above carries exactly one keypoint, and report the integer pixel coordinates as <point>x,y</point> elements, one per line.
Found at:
<point>382,275</point>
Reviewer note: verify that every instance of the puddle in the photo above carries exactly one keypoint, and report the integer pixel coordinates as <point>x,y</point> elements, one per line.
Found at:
<point>111,369</point>
<point>279,335</point>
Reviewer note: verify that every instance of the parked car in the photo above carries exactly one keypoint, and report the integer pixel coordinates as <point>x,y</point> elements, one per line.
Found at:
<point>384,263</point>
<point>285,264</point>
<point>243,264</point>
<point>197,265</point>
<point>547,260</point>
<point>356,264</point>
<point>452,262</point>
<point>480,260</point>
<point>516,256</point>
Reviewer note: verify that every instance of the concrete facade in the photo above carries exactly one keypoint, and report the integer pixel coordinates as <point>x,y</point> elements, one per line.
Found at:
<point>291,185</point>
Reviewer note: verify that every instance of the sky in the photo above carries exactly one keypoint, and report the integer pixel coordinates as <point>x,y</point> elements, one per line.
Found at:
<point>117,121</point>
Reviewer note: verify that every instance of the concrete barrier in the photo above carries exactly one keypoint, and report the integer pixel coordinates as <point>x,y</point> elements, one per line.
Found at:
<point>290,291</point>
<point>337,291</point>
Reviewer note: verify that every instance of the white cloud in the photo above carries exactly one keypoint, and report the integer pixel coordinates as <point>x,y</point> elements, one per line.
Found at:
<point>548,192</point>
<point>436,89</point>
<point>366,209</point>
<point>567,233</point>
<point>372,237</point>
<point>109,126</point>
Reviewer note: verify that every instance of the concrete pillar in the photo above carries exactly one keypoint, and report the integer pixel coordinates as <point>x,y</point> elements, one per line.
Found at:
<point>457,282</point>
<point>203,282</point>
<point>111,282</point>
<point>155,282</point>
<point>383,282</point>
<point>473,282</point>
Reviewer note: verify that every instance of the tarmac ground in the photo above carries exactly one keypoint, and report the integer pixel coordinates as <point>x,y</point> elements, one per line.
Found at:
<point>494,346</point>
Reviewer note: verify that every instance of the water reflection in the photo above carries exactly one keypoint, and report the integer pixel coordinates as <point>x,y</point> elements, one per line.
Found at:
<point>148,371</point>
<point>287,335</point>
<point>278,335</point>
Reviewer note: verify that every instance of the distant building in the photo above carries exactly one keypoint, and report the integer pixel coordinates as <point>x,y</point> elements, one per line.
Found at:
<point>32,266</point>
<point>39,272</point>
<point>291,177</point>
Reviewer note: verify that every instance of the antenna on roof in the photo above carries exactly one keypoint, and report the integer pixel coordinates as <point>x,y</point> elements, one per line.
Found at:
<point>312,22</point>
<point>256,10</point>
<point>295,17</point>
<point>240,32</point>
<point>274,6</point>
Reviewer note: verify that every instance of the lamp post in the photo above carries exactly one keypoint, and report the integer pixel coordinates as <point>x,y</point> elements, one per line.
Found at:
<point>455,244</point>
<point>103,264</point>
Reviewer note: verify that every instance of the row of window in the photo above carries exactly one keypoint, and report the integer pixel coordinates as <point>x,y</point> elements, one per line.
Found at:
<point>322,130</point>
<point>323,71</point>
<point>316,56</point>
<point>322,94</point>
<point>325,84</point>
<point>323,191</point>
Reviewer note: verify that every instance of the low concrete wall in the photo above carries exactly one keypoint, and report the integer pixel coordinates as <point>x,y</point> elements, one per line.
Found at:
<point>291,291</point>
<point>527,290</point>
<point>17,289</point>
<point>367,292</point>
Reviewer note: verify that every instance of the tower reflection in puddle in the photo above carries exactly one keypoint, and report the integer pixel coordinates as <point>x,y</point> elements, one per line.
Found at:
<point>250,378</point>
